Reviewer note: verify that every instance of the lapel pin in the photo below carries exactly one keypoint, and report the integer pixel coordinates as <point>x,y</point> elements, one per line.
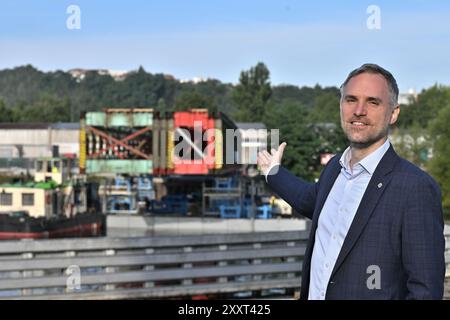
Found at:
<point>380,185</point>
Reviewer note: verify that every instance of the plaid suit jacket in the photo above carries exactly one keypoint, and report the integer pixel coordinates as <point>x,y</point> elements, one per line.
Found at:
<point>398,228</point>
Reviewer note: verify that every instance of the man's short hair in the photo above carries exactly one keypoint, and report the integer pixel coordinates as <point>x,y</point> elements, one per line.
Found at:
<point>375,69</point>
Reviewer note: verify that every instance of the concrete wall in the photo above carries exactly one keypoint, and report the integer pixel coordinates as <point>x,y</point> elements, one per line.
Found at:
<point>133,225</point>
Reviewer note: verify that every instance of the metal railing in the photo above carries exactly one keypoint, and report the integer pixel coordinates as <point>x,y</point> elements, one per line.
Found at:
<point>118,268</point>
<point>154,267</point>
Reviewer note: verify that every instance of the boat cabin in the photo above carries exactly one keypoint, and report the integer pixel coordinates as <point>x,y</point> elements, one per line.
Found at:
<point>50,194</point>
<point>56,169</point>
<point>39,199</point>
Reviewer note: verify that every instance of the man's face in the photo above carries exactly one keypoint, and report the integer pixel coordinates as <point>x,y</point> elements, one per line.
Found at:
<point>366,112</point>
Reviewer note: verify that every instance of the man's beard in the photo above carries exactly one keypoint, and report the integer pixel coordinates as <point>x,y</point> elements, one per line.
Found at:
<point>369,140</point>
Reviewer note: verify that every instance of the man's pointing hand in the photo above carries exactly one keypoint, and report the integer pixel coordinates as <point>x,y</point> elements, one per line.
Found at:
<point>268,160</point>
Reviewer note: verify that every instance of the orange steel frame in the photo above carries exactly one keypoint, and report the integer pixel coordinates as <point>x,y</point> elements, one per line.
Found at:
<point>112,142</point>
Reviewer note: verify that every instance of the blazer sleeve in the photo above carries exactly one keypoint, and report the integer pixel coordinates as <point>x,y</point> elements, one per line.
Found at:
<point>423,242</point>
<point>299,194</point>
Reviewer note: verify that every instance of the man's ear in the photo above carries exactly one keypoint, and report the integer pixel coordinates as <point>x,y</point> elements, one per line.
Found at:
<point>394,114</point>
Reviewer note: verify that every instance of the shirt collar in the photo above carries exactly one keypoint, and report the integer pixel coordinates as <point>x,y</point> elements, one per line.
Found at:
<point>370,162</point>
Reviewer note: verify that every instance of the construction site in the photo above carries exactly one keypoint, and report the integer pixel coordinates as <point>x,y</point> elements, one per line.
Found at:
<point>132,203</point>
<point>187,167</point>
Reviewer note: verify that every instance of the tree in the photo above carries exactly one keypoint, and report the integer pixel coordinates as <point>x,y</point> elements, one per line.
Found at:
<point>439,165</point>
<point>252,93</point>
<point>21,83</point>
<point>325,109</point>
<point>425,108</point>
<point>46,109</point>
<point>413,143</point>
<point>305,95</point>
<point>212,90</point>
<point>189,100</point>
<point>301,155</point>
<point>92,93</point>
<point>6,114</point>
<point>325,120</point>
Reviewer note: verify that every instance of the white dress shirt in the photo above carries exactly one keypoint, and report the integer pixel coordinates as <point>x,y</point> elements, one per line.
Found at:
<point>337,215</point>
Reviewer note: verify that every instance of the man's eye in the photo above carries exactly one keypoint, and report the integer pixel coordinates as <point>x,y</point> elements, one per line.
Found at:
<point>350,100</point>
<point>374,102</point>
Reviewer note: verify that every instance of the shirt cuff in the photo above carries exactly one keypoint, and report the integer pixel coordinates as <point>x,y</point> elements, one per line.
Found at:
<point>270,168</point>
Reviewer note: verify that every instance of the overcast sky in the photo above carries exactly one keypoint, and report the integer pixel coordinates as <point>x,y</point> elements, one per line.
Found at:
<point>302,42</point>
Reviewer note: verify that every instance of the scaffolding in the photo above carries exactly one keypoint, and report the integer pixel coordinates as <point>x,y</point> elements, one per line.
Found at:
<point>224,198</point>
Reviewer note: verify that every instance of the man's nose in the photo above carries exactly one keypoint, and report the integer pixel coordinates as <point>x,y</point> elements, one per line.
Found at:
<point>360,109</point>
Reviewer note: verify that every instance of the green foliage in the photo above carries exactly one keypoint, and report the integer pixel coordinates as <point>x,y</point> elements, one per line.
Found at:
<point>439,165</point>
<point>20,84</point>
<point>189,100</point>
<point>23,87</point>
<point>413,143</point>
<point>6,115</point>
<point>308,117</point>
<point>140,89</point>
<point>305,95</point>
<point>210,94</point>
<point>300,155</point>
<point>422,135</point>
<point>46,108</point>
<point>325,108</point>
<point>425,108</point>
<point>313,127</point>
<point>252,93</point>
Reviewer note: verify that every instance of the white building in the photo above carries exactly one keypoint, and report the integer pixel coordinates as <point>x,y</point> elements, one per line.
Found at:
<point>22,143</point>
<point>194,80</point>
<point>80,74</point>
<point>407,97</point>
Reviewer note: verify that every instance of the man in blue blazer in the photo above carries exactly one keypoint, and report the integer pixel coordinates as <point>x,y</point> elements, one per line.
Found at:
<point>377,223</point>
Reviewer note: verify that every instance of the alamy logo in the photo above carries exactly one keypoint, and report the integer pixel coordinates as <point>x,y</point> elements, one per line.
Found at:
<point>73,281</point>
<point>198,146</point>
<point>374,20</point>
<point>73,22</point>
<point>374,280</point>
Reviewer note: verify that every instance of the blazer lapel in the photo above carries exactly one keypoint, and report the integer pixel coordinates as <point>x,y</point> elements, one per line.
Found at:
<point>326,184</point>
<point>375,189</point>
